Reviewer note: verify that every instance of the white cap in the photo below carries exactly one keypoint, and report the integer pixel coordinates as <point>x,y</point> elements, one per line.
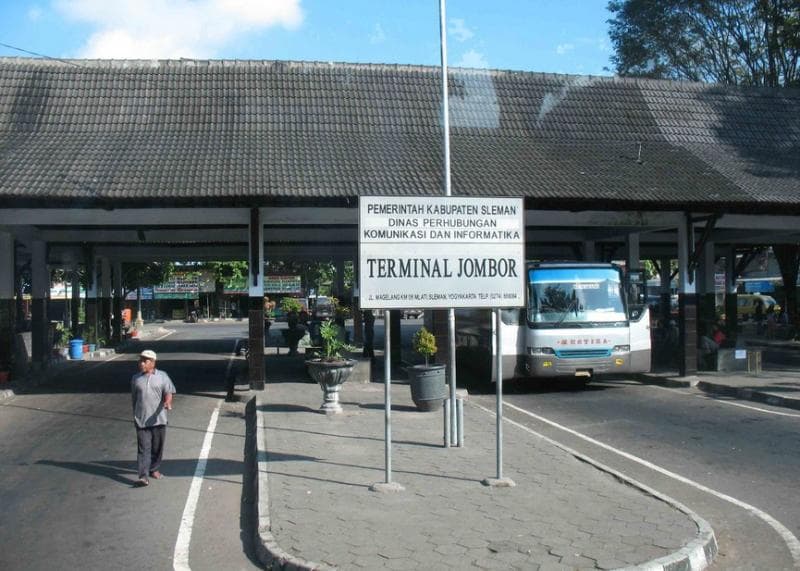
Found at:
<point>148,354</point>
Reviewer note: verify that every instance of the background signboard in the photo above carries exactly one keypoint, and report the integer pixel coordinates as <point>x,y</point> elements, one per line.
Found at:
<point>439,252</point>
<point>282,284</point>
<point>147,293</point>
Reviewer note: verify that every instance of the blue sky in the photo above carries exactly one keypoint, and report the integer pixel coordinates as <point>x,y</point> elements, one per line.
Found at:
<point>558,36</point>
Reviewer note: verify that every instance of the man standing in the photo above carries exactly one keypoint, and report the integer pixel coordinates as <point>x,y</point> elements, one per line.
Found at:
<point>151,392</point>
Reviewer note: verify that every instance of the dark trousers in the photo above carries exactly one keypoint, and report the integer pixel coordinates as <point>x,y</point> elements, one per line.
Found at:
<point>150,448</point>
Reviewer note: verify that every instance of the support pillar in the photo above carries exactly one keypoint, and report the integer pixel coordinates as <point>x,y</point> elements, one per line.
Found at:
<point>104,325</point>
<point>687,301</point>
<point>255,283</point>
<point>40,287</point>
<point>91,308</point>
<point>339,264</point>
<point>632,251</point>
<point>116,304</point>
<point>358,323</point>
<point>731,297</point>
<point>707,285</point>
<point>75,302</point>
<point>666,290</point>
<point>7,309</point>
<point>589,251</point>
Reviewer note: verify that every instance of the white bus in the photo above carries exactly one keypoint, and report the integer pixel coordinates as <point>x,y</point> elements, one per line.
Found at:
<point>580,320</point>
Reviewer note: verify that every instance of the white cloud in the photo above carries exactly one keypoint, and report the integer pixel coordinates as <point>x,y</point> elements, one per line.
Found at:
<point>34,13</point>
<point>562,49</point>
<point>378,36</point>
<point>458,29</point>
<point>174,28</point>
<point>472,58</point>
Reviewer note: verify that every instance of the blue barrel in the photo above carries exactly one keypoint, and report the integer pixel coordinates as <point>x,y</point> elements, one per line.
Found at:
<point>76,349</point>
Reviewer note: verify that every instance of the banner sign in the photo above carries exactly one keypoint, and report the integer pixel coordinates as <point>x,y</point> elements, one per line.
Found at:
<point>441,252</point>
<point>183,283</point>
<point>147,293</point>
<point>282,284</point>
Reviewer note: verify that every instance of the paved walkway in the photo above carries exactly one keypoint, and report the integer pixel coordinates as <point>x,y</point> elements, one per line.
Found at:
<point>564,513</point>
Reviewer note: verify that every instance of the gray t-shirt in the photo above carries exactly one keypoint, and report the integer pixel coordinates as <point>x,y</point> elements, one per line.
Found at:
<point>147,392</point>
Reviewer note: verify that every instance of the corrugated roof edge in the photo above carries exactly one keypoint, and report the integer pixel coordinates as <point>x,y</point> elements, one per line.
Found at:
<point>244,63</point>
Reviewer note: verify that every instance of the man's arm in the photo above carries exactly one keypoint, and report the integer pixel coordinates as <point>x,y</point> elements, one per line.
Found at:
<point>169,390</point>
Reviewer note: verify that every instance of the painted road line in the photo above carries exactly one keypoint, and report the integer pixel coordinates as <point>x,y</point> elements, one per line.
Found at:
<point>747,406</point>
<point>180,559</point>
<point>791,541</point>
<point>721,401</point>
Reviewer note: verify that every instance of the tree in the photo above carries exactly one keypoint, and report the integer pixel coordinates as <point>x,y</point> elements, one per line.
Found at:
<point>734,42</point>
<point>144,274</point>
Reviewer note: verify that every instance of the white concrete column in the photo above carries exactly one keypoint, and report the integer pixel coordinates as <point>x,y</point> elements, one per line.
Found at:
<point>116,303</point>
<point>686,282</point>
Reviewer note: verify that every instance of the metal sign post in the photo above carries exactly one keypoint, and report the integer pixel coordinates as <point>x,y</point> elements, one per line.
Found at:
<point>499,481</point>
<point>387,485</point>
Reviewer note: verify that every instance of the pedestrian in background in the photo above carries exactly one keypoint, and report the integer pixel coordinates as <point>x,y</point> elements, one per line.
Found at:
<point>151,392</point>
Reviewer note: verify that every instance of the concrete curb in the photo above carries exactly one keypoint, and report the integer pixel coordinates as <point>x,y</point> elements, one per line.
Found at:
<point>743,393</point>
<point>267,549</point>
<point>749,394</point>
<point>694,556</point>
<point>670,382</point>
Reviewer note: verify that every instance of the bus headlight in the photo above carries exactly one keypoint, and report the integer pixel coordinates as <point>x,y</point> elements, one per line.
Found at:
<point>621,349</point>
<point>541,351</point>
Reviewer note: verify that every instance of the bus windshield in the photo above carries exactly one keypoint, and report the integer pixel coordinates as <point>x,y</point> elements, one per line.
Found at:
<point>570,297</point>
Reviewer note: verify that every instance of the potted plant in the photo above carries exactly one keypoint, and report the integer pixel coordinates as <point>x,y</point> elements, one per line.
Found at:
<point>60,342</point>
<point>428,388</point>
<point>330,369</point>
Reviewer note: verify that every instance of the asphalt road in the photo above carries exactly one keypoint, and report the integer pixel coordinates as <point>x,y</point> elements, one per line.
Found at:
<point>68,461</point>
<point>749,455</point>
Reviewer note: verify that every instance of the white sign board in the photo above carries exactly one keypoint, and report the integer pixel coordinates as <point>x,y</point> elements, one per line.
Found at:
<point>440,252</point>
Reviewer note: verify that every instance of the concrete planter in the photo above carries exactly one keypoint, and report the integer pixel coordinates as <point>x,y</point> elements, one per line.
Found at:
<point>330,375</point>
<point>428,387</point>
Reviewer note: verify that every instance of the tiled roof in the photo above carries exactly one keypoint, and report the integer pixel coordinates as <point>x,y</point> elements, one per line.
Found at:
<point>168,132</point>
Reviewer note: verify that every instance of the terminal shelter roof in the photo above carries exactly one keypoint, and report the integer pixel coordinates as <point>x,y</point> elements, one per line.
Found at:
<point>160,133</point>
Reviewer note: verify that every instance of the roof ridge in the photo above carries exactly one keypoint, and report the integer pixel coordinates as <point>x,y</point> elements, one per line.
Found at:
<point>419,68</point>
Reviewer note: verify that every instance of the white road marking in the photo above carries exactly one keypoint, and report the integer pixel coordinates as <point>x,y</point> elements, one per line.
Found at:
<point>721,401</point>
<point>167,334</point>
<point>180,559</point>
<point>791,541</point>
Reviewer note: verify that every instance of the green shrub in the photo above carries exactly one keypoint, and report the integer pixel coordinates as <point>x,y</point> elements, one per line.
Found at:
<point>424,343</point>
<point>290,304</point>
<point>333,341</point>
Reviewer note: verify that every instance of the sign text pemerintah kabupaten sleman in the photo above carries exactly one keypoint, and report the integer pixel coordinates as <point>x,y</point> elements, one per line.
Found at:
<point>441,252</point>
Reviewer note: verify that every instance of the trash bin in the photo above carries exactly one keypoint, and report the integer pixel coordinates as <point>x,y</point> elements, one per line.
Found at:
<point>76,349</point>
